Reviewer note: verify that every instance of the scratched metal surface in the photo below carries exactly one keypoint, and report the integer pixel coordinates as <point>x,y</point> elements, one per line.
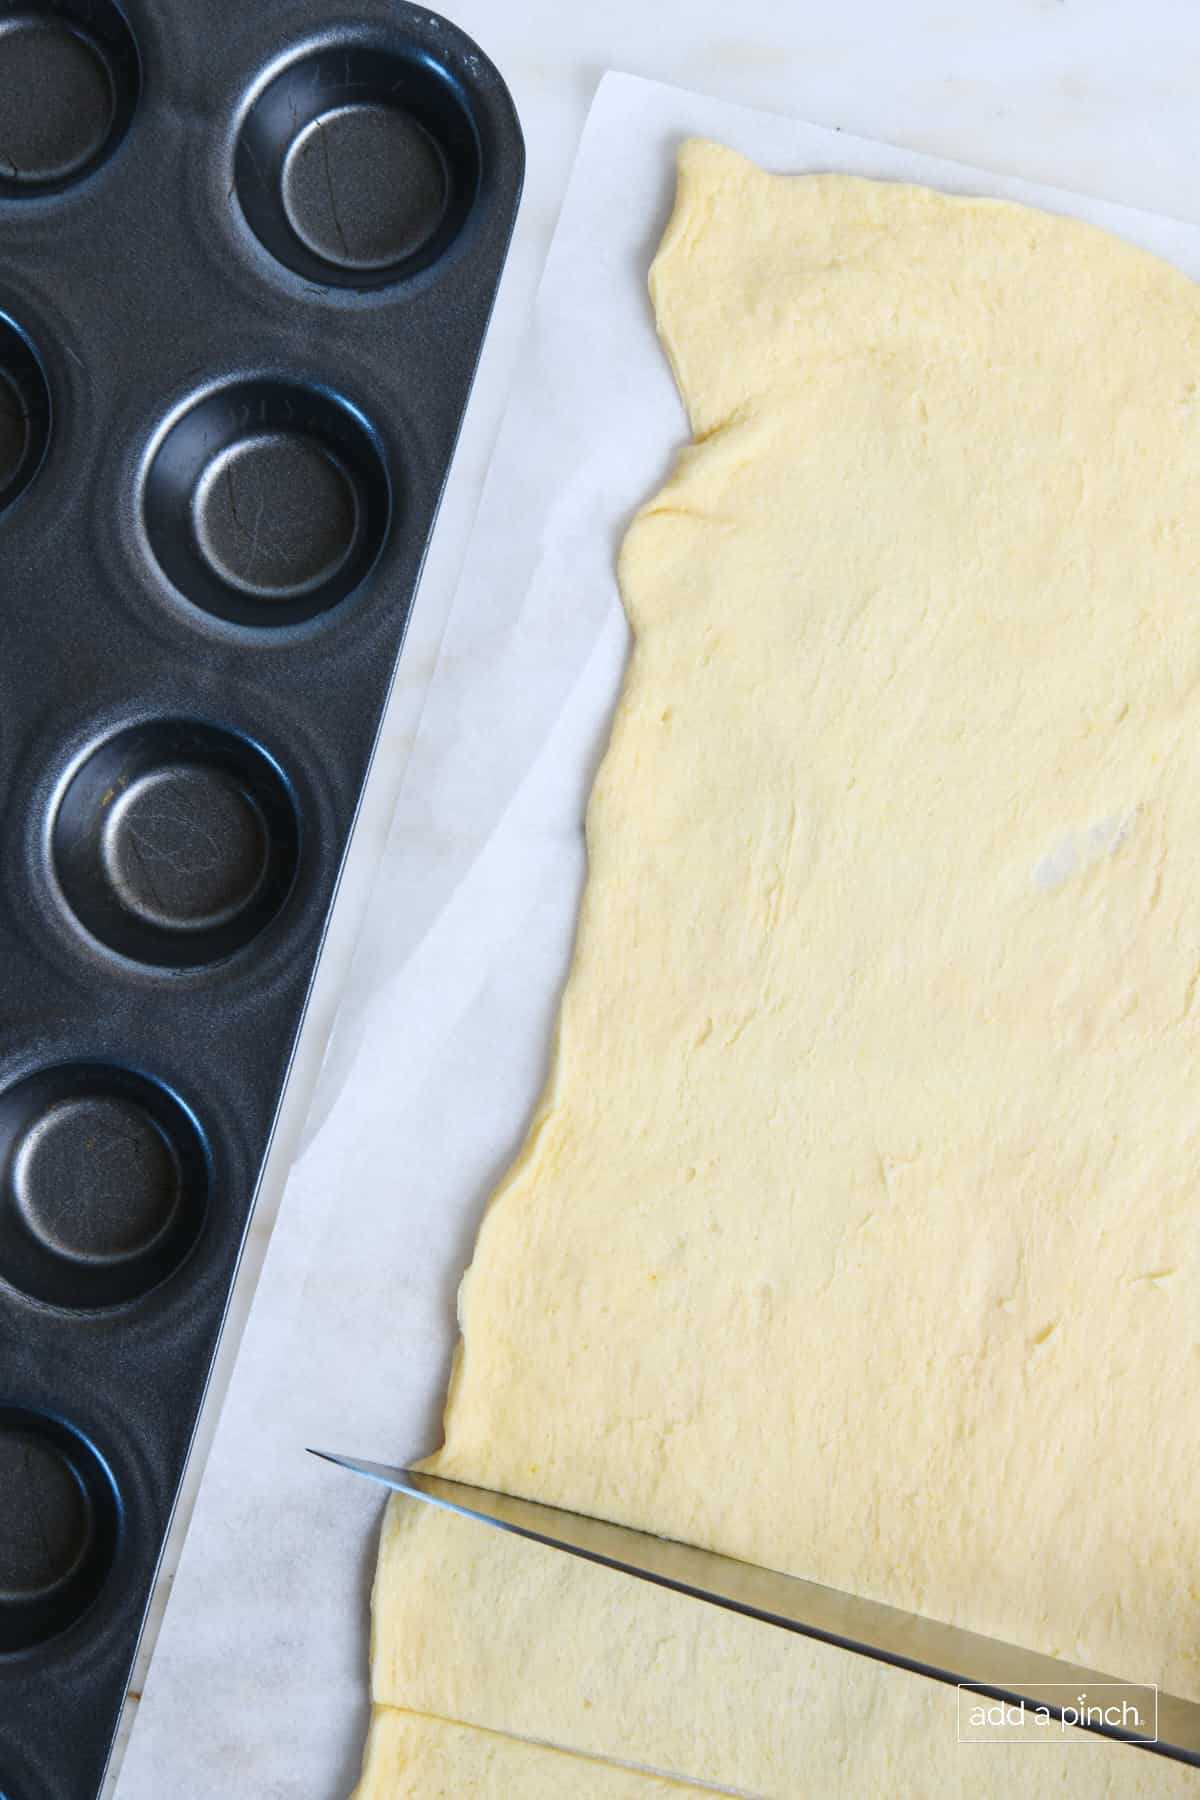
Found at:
<point>247,258</point>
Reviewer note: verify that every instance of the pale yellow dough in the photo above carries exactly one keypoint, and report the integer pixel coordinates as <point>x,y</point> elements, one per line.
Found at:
<point>857,1230</point>
<point>413,1758</point>
<point>474,1626</point>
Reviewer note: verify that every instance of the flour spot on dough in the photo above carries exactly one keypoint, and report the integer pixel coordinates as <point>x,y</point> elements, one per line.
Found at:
<point>1059,865</point>
<point>1076,851</point>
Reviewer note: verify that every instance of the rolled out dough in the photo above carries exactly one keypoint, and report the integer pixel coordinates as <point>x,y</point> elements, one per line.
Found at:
<point>474,1626</point>
<point>856,1232</point>
<point>409,1757</point>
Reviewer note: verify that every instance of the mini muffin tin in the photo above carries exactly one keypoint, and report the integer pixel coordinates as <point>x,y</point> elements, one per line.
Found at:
<point>247,257</point>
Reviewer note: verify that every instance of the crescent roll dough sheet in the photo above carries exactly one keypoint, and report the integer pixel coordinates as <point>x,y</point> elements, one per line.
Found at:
<point>856,1233</point>
<point>413,1758</point>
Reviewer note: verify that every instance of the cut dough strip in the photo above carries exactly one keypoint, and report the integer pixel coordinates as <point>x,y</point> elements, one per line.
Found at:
<point>409,1757</point>
<point>473,1625</point>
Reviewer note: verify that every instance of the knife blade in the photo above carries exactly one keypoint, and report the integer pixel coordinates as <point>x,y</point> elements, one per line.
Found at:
<point>985,1666</point>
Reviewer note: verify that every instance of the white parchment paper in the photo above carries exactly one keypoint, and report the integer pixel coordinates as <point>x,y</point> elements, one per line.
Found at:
<point>258,1684</point>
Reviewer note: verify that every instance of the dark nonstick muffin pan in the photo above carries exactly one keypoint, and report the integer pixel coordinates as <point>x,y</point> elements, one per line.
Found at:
<point>247,258</point>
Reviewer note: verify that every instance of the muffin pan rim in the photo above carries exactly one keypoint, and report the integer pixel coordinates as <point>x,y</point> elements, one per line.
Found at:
<point>98,742</point>
<point>488,105</point>
<point>30,467</point>
<point>126,93</point>
<point>250,373</point>
<point>106,1077</point>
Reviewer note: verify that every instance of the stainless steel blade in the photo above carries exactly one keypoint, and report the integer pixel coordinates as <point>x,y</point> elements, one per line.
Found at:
<point>991,1668</point>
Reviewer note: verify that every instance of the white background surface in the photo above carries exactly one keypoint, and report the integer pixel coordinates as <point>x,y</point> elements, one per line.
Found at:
<point>1095,95</point>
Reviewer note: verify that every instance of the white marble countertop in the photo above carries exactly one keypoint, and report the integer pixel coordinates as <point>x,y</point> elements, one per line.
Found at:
<point>1090,94</point>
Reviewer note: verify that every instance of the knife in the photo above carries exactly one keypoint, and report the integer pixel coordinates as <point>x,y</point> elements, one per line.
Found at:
<point>1044,1690</point>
